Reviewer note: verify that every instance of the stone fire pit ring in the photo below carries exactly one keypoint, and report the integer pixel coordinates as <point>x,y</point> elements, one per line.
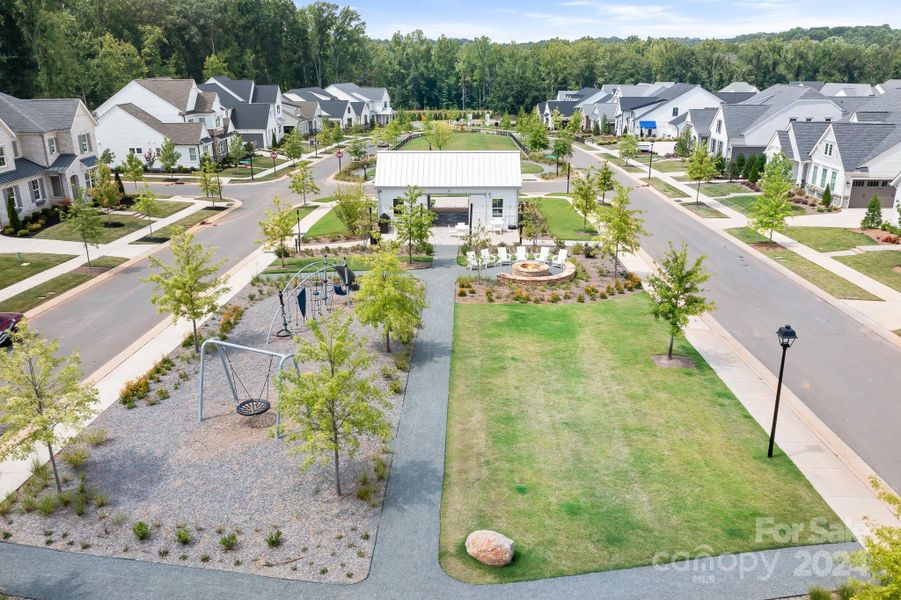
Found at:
<point>524,273</point>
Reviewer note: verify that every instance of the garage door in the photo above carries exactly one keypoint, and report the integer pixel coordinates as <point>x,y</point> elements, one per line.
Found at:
<point>864,189</point>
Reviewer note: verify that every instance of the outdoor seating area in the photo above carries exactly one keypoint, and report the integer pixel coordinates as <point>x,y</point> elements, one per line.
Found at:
<point>485,259</point>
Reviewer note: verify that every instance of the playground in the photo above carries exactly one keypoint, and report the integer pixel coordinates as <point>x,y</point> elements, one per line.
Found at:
<point>227,473</point>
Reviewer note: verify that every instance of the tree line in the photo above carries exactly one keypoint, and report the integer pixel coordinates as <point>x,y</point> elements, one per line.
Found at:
<point>90,48</point>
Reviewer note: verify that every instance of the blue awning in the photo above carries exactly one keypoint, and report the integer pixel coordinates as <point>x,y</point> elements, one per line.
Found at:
<point>648,124</point>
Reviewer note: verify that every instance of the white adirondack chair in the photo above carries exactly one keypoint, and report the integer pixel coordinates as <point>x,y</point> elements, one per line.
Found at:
<point>487,259</point>
<point>560,259</point>
<point>521,254</point>
<point>472,263</point>
<point>502,257</point>
<point>544,254</point>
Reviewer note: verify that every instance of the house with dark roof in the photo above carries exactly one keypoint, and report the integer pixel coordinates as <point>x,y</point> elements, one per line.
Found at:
<point>144,112</point>
<point>698,121</point>
<point>748,126</point>
<point>47,151</point>
<point>256,110</point>
<point>796,142</point>
<point>546,111</point>
<point>376,100</point>
<point>651,116</point>
<point>303,115</point>
<point>331,108</point>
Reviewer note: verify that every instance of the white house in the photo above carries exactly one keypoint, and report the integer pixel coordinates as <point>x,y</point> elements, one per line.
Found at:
<point>696,120</point>
<point>491,181</point>
<point>653,118</point>
<point>302,115</point>
<point>377,100</point>
<point>144,111</point>
<point>747,127</point>
<point>256,110</point>
<point>546,111</point>
<point>47,150</point>
<point>796,142</point>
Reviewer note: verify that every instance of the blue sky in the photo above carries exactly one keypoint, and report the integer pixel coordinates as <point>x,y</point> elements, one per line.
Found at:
<point>532,20</point>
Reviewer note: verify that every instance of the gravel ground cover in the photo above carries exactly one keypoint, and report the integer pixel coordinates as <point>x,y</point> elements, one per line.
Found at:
<point>226,475</point>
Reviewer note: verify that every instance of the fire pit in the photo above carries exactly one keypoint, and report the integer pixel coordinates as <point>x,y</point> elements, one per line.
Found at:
<point>530,268</point>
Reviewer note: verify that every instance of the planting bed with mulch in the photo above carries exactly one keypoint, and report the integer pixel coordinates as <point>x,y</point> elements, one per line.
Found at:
<point>195,484</point>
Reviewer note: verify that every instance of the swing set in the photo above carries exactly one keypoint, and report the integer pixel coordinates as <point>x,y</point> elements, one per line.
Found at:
<point>248,404</point>
<point>310,293</point>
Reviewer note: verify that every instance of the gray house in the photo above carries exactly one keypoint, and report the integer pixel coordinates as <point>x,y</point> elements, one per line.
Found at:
<point>46,152</point>
<point>256,110</point>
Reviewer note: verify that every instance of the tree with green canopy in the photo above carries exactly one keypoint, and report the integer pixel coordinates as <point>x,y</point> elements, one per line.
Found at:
<point>292,145</point>
<point>169,156</point>
<point>105,192</point>
<point>353,208</point>
<point>413,221</point>
<point>277,227</point>
<point>585,195</point>
<point>210,185</point>
<point>147,204</point>
<point>133,168</point>
<point>628,147</point>
<point>621,226</point>
<point>562,147</point>
<point>770,210</point>
<point>700,168</point>
<point>303,183</point>
<point>438,133</point>
<point>605,181</point>
<point>85,219</point>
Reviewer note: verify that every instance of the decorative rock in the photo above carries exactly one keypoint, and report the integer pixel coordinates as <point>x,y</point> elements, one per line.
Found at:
<point>490,547</point>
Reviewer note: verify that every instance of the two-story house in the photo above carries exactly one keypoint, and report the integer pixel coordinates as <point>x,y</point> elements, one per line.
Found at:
<point>47,150</point>
<point>141,115</point>
<point>256,109</point>
<point>302,115</point>
<point>747,127</point>
<point>653,116</point>
<point>377,101</point>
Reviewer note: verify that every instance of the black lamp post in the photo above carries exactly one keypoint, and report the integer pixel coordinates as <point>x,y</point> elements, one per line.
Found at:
<point>251,165</point>
<point>297,243</point>
<point>787,337</point>
<point>650,162</point>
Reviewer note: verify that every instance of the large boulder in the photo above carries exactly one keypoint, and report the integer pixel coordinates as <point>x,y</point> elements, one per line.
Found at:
<point>490,547</point>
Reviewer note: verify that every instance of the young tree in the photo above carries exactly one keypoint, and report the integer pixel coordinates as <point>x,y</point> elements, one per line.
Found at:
<point>881,555</point>
<point>771,208</point>
<point>40,395</point>
<point>685,144</point>
<point>189,286</point>
<point>595,129</point>
<point>719,163</point>
<point>337,134</point>
<point>148,206</point>
<point>536,135</point>
<point>214,66</point>
<point>574,125</point>
<point>106,157</point>
<point>357,150</point>
<point>585,196</point>
<point>753,169</point>
<point>277,227</point>
<point>168,155</point>
<point>209,179</point>
<point>733,170</point>
<point>292,145</point>
<point>133,169</point>
<point>605,181</point>
<point>105,191</point>
<point>700,168</point>
<point>505,121</point>
<point>324,137</point>
<point>532,220</point>
<point>562,147</point>
<point>12,214</point>
<point>741,164</point>
<point>413,221</point>
<point>236,148</point>
<point>335,406</point>
<point>438,133</point>
<point>826,200</point>
<point>621,226</point>
<point>676,292</point>
<point>303,183</point>
<point>605,125</point>
<point>352,207</point>
<point>389,297</point>
<point>557,120</point>
<point>628,147</point>
<point>86,221</point>
<point>476,241</point>
<point>119,185</point>
<point>873,217</point>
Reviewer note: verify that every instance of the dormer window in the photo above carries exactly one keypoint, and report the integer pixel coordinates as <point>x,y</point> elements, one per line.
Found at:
<point>84,143</point>
<point>51,144</point>
<point>719,126</point>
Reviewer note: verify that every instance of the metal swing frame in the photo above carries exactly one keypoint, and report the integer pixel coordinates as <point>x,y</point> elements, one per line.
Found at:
<point>319,270</point>
<point>220,345</point>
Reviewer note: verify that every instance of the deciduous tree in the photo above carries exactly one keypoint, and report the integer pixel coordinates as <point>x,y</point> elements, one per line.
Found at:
<point>190,286</point>
<point>700,168</point>
<point>214,66</point>
<point>389,297</point>
<point>85,219</point>
<point>585,195</point>
<point>169,156</point>
<point>873,217</point>
<point>605,181</point>
<point>292,145</point>
<point>147,204</point>
<point>438,133</point>
<point>105,191</point>
<point>676,293</point>
<point>133,169</point>
<point>562,147</point>
<point>685,143</point>
<point>331,409</point>
<point>413,221</point>
<point>352,207</point>
<point>210,185</point>
<point>628,147</point>
<point>278,226</point>
<point>621,226</point>
<point>771,208</point>
<point>303,183</point>
<point>41,395</point>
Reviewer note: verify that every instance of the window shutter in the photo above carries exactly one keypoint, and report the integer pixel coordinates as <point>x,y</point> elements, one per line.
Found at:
<point>43,193</point>
<point>17,196</point>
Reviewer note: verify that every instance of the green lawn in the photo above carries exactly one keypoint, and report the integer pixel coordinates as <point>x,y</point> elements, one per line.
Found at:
<point>329,224</point>
<point>828,239</point>
<point>743,204</point>
<point>356,263</point>
<point>168,208</point>
<point>665,188</point>
<point>58,285</point>
<point>322,200</point>
<point>884,266</point>
<point>14,269</point>
<point>722,189</point>
<point>702,210</point>
<point>563,221</point>
<point>622,164</point>
<point>467,141</point>
<point>563,435</point>
<point>531,168</point>
<point>260,163</point>
<point>824,279</point>
<point>185,222</point>
<point>258,179</point>
<point>661,164</point>
<point>65,231</point>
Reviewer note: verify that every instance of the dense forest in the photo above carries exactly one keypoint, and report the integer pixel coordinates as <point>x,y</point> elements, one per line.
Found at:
<point>90,48</point>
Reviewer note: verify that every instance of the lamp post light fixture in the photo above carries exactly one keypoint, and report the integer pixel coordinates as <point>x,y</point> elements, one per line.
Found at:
<point>650,162</point>
<point>297,243</point>
<point>787,337</point>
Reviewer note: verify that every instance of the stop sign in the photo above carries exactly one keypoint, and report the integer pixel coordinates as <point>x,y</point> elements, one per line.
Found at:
<point>339,154</point>
<point>273,155</point>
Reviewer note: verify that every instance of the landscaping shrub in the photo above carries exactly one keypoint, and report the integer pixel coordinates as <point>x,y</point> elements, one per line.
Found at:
<point>380,468</point>
<point>388,372</point>
<point>182,536</point>
<point>554,298</point>
<point>873,218</point>
<point>580,298</point>
<point>819,593</point>
<point>274,539</point>
<point>228,542</point>
<point>489,296</point>
<point>402,360</point>
<point>365,493</point>
<point>28,502</point>
<point>79,504</point>
<point>134,390</point>
<point>74,457</point>
<point>95,438</point>
<point>141,530</point>
<point>47,505</point>
<point>395,386</point>
<point>847,589</point>
<point>204,558</point>
<point>100,499</point>
<point>162,394</point>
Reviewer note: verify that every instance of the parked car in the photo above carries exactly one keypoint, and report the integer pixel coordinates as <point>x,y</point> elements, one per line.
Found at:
<point>8,322</point>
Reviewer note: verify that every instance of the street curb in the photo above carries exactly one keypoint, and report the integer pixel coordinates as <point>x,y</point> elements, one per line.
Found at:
<point>50,304</point>
<point>841,305</point>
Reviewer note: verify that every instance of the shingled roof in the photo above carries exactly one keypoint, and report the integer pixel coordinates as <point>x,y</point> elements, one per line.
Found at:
<point>859,142</point>
<point>38,115</point>
<point>182,134</point>
<point>176,92</point>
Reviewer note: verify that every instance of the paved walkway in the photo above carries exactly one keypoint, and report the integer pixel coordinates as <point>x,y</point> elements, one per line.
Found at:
<point>123,247</point>
<point>405,560</point>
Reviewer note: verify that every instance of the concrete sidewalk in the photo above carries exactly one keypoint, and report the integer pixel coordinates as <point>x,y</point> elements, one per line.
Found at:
<point>837,473</point>
<point>123,247</point>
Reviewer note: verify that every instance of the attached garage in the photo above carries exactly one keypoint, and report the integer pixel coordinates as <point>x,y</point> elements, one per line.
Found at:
<point>864,189</point>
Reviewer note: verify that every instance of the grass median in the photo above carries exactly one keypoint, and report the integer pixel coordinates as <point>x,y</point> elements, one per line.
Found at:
<point>17,267</point>
<point>39,294</point>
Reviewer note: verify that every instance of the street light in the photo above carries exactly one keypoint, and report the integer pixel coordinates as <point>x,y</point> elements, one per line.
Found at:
<point>787,337</point>
<point>650,162</point>
<point>297,242</point>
